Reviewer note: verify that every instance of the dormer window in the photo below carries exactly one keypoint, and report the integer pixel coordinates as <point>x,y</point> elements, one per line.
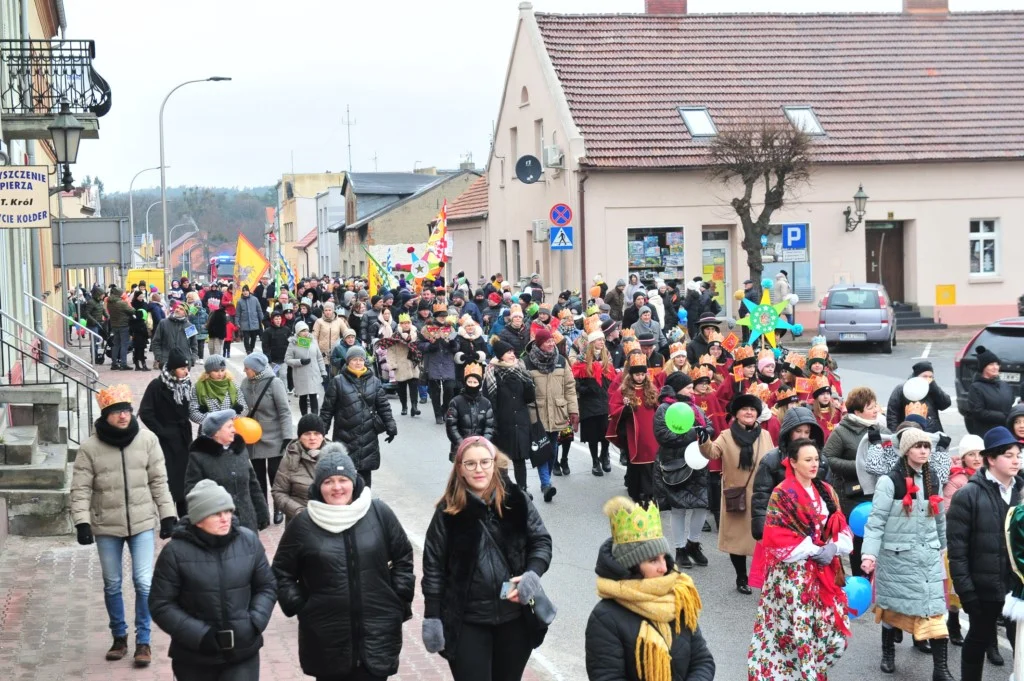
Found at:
<point>698,121</point>
<point>803,118</point>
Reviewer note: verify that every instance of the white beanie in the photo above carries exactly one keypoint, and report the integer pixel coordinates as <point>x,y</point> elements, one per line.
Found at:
<point>970,443</point>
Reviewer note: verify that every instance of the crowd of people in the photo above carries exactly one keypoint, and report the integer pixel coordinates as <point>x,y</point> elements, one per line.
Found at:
<point>785,458</point>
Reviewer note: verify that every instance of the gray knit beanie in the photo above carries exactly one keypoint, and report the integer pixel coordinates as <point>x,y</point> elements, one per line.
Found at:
<point>639,536</point>
<point>214,421</point>
<point>215,363</point>
<point>256,361</point>
<point>207,498</point>
<point>333,460</point>
<point>356,351</point>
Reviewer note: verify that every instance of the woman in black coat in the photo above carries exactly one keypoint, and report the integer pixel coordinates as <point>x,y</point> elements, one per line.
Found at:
<point>345,567</point>
<point>165,411</point>
<point>512,392</point>
<point>211,579</point>
<point>989,399</point>
<point>359,408</point>
<point>472,549</point>
<point>469,412</point>
<point>275,341</point>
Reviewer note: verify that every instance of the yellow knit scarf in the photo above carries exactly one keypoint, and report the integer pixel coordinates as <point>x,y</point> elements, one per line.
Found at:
<point>661,601</point>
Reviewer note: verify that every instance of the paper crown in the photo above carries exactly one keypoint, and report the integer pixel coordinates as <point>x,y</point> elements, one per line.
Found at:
<point>593,310</point>
<point>919,408</point>
<point>817,353</point>
<point>785,395</point>
<point>706,360</point>
<point>591,325</point>
<point>819,340</point>
<point>716,337</point>
<point>760,391</point>
<point>404,317</point>
<point>473,369</point>
<point>632,522</point>
<point>115,394</point>
<point>676,349</point>
<point>637,359</point>
<point>440,307</point>
<point>795,360</point>
<point>820,384</point>
<point>766,353</point>
<point>630,344</point>
<point>515,310</point>
<point>700,373</point>
<point>628,333</point>
<point>743,353</point>
<point>557,336</point>
<point>565,313</point>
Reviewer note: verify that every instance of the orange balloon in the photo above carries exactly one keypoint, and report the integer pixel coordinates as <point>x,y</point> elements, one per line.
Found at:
<point>249,428</point>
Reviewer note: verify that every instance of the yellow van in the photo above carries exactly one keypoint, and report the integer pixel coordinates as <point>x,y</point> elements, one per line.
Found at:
<point>151,277</point>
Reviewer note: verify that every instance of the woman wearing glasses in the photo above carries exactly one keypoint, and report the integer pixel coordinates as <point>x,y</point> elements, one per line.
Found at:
<point>485,552</point>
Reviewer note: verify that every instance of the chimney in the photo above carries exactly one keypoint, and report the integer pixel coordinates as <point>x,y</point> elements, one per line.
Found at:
<point>926,7</point>
<point>669,6</point>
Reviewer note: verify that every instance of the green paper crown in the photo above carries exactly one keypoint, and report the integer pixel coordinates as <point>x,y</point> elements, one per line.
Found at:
<point>632,522</point>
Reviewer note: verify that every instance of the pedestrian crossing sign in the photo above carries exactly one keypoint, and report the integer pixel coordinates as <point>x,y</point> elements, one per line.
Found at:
<point>561,238</point>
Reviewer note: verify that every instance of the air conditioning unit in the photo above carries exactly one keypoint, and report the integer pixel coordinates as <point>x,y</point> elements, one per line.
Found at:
<point>553,157</point>
<point>540,231</point>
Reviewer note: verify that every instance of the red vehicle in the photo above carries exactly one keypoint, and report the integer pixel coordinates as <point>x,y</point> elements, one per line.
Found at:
<point>222,267</point>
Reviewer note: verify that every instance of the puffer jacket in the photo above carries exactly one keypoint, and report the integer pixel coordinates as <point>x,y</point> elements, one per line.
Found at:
<point>120,492</point>
<point>170,334</point>
<point>328,333</point>
<point>909,572</point>
<point>94,312</point>
<point>989,401</point>
<point>275,342</point>
<point>273,412</point>
<point>230,468</point>
<point>307,377</point>
<point>517,338</point>
<point>612,633</point>
<point>202,582</point>
<point>937,400</point>
<point>978,561</point>
<point>439,357</point>
<point>294,476</point>
<point>350,403</point>
<point>351,590</point>
<point>556,393</point>
<point>248,313</point>
<point>119,312</point>
<point>469,555</point>
<point>468,415</point>
<point>693,493</point>
<point>841,453</point>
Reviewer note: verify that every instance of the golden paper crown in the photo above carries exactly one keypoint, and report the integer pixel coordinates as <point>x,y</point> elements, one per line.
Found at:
<point>632,522</point>
<point>716,337</point>
<point>630,344</point>
<point>785,393</point>
<point>404,317</point>
<point>701,372</point>
<point>706,360</point>
<point>743,352</point>
<point>628,333</point>
<point>466,319</point>
<point>637,359</point>
<point>591,325</point>
<point>515,310</point>
<point>557,336</point>
<point>819,383</point>
<point>676,349</point>
<point>767,353</point>
<point>115,394</point>
<point>796,360</point>
<point>760,391</point>
<point>565,313</point>
<point>819,353</point>
<point>919,408</point>
<point>440,307</point>
<point>473,369</point>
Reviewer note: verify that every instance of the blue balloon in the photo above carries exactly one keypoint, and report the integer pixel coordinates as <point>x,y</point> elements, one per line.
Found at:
<point>859,518</point>
<point>798,329</point>
<point>682,315</point>
<point>778,353</point>
<point>766,283</point>
<point>858,595</point>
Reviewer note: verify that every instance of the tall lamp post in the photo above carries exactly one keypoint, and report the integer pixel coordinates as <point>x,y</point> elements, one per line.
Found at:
<point>66,132</point>
<point>163,168</point>
<point>150,234</point>
<point>131,214</point>
<point>167,251</point>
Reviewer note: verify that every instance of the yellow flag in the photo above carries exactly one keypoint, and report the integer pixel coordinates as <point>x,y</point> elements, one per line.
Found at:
<point>250,264</point>
<point>372,277</point>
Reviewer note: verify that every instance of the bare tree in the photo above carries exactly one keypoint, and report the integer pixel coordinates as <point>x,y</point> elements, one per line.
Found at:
<point>764,155</point>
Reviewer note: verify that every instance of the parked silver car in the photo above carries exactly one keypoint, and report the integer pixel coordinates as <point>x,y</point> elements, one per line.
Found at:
<point>858,313</point>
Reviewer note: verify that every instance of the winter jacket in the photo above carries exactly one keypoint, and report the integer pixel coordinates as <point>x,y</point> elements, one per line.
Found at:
<point>469,555</point>
<point>936,399</point>
<point>989,401</point>
<point>632,315</point>
<point>612,633</point>
<point>591,392</point>
<point>512,393</point>
<point>467,416</point>
<point>119,312</point>
<point>556,394</point>
<point>199,320</point>
<point>439,356</point>
<point>170,334</point>
<point>328,333</point>
<point>248,313</point>
<point>230,468</point>
<point>307,376</point>
<point>975,531</point>
<point>94,312</point>
<point>120,492</point>
<point>338,356</point>
<point>840,451</point>
<point>217,324</point>
<point>275,342</point>
<point>198,410</point>
<point>351,591</point>
<point>350,403</point>
<point>156,311</point>
<point>294,476</point>
<point>517,338</point>
<point>696,348</point>
<point>671,463</point>
<point>908,573</point>
<point>273,412</point>
<point>400,357</point>
<point>780,290</point>
<point>172,425</point>
<point>616,301</point>
<point>204,583</point>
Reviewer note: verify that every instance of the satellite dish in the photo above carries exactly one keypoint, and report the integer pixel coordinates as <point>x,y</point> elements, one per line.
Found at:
<point>528,169</point>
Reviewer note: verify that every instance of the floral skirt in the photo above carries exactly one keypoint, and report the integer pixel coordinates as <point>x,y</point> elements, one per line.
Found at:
<point>795,636</point>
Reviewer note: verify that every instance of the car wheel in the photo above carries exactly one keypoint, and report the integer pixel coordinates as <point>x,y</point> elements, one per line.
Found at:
<point>887,346</point>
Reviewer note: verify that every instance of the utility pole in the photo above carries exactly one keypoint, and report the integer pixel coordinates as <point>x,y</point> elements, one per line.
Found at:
<point>348,123</point>
<point>374,162</point>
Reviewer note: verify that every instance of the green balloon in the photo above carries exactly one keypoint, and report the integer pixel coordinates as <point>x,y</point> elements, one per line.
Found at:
<point>679,418</point>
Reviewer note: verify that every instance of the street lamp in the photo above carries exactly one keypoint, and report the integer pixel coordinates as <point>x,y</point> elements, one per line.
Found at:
<point>186,256</point>
<point>131,212</point>
<point>860,201</point>
<point>163,166</point>
<point>66,132</point>
<point>148,233</point>
<point>167,246</point>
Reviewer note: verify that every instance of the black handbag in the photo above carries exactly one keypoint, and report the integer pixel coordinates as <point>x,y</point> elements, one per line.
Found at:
<point>675,473</point>
<point>378,421</point>
<point>539,613</point>
<point>539,439</point>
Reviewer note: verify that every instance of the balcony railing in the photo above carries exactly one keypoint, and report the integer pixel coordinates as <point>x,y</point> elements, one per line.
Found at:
<point>39,74</point>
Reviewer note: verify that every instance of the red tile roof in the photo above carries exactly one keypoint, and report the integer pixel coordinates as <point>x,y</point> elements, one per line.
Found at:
<point>305,241</point>
<point>885,87</point>
<point>471,203</point>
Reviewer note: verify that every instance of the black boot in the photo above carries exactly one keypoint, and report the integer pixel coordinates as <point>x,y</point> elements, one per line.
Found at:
<point>742,586</point>
<point>888,665</point>
<point>136,363</point>
<point>606,465</point>
<point>145,366</point>
<point>565,464</point>
<point>971,671</point>
<point>923,646</point>
<point>940,666</point>
<point>405,411</point>
<point>994,656</point>
<point>414,409</point>
<point>693,548</point>
<point>683,558</point>
<point>596,469</point>
<point>555,468</point>
<point>953,625</point>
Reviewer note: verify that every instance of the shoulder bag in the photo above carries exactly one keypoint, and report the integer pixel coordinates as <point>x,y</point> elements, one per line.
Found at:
<point>378,421</point>
<point>736,497</point>
<point>675,473</point>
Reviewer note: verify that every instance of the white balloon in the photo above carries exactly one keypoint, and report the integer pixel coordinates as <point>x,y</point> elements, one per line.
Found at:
<point>694,459</point>
<point>915,389</point>
<point>793,298</point>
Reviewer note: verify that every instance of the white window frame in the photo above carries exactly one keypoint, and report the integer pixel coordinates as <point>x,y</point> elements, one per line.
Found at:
<point>698,111</point>
<point>982,236</point>
<point>804,118</point>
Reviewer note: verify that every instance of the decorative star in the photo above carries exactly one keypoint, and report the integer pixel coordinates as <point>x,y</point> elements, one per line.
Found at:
<point>765,318</point>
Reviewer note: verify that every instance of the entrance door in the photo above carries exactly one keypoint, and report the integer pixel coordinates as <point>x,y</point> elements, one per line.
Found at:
<point>715,264</point>
<point>884,252</point>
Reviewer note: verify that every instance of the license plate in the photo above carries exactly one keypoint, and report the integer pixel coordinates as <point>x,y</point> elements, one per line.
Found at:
<point>853,336</point>
<point>1009,377</point>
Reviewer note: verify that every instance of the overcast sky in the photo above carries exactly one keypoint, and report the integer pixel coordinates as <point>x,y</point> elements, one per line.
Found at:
<point>423,80</point>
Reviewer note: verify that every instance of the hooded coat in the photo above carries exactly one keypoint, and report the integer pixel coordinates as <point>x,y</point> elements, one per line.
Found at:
<point>202,582</point>
<point>612,633</point>
<point>616,301</point>
<point>248,313</point>
<point>400,355</point>
<point>350,403</point>
<point>439,356</point>
<point>693,493</point>
<point>171,423</point>
<point>556,393</point>
<point>307,377</point>
<point>94,312</point>
<point>989,401</point>
<point>168,335</point>
<point>468,415</point>
<point>230,468</point>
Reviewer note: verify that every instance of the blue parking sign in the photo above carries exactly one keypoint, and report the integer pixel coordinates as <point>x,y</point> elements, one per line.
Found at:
<point>794,236</point>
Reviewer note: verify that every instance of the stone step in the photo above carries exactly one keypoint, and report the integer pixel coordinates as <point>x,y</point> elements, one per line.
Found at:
<point>48,470</point>
<point>918,324</point>
<point>40,512</point>
<point>31,394</point>
<point>907,314</point>
<point>19,445</point>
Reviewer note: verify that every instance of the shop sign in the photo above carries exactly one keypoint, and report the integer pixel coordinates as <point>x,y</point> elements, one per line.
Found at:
<point>24,197</point>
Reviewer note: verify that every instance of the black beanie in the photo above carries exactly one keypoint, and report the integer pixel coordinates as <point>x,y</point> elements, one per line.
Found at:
<point>176,360</point>
<point>985,357</point>
<point>310,423</point>
<point>922,367</point>
<point>678,380</point>
<point>501,347</point>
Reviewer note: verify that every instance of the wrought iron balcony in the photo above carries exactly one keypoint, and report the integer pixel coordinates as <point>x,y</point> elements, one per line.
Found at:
<point>37,75</point>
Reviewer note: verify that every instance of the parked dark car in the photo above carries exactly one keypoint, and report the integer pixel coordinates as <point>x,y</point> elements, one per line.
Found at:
<point>858,313</point>
<point>1004,337</point>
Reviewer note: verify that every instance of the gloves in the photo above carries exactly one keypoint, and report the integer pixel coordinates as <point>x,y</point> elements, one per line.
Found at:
<point>238,408</point>
<point>944,441</point>
<point>209,643</point>
<point>167,526</point>
<point>528,586</point>
<point>84,534</point>
<point>306,361</point>
<point>874,436</point>
<point>203,409</point>
<point>828,552</point>
<point>702,435</point>
<point>574,421</point>
<point>433,635</point>
<point>390,438</point>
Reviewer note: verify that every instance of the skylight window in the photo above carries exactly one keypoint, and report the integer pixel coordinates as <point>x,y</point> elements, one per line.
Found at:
<point>698,121</point>
<point>804,118</point>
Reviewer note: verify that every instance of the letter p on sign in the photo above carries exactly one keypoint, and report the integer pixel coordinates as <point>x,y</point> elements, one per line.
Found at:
<point>794,236</point>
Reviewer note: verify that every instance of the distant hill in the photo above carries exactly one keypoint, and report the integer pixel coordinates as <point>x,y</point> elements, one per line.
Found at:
<point>222,212</point>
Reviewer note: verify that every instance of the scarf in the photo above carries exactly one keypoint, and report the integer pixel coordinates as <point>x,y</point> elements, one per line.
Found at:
<point>544,361</point>
<point>114,436</point>
<point>337,519</point>
<point>666,603</point>
<point>502,371</point>
<point>208,390</point>
<point>385,328</point>
<point>181,388</point>
<point>745,439</point>
<point>477,332</point>
<point>853,418</point>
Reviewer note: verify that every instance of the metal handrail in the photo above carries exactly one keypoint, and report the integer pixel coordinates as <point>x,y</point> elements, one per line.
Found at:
<point>70,319</point>
<point>86,368</point>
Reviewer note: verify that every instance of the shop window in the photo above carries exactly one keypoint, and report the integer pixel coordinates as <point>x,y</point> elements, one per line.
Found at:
<point>517,270</point>
<point>775,260</point>
<point>656,253</point>
<point>984,247</point>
